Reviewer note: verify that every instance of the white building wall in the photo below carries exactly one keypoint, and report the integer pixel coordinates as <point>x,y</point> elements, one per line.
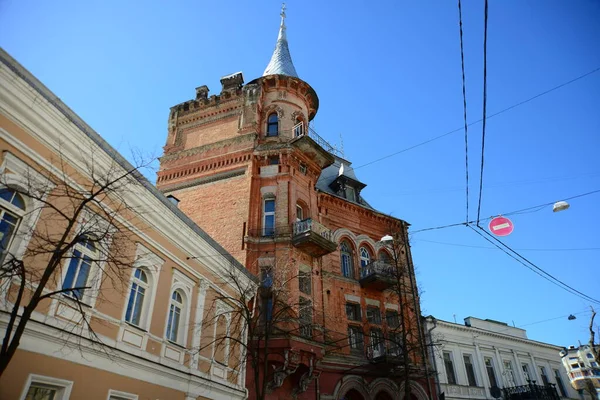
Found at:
<point>499,343</point>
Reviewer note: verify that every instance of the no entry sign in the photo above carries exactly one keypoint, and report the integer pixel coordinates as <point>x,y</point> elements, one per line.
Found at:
<point>501,226</point>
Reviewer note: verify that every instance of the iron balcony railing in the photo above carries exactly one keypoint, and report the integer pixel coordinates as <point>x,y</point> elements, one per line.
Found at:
<point>531,392</point>
<point>379,350</point>
<point>377,267</point>
<point>309,225</point>
<point>300,130</point>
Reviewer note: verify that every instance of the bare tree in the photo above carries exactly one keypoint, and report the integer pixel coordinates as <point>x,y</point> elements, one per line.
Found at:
<point>259,318</point>
<point>405,346</point>
<point>77,229</point>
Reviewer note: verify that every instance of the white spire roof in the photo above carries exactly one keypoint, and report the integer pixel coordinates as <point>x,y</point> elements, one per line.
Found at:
<point>281,60</point>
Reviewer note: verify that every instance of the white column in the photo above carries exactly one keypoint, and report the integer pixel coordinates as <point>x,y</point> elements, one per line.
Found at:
<point>500,377</point>
<point>482,371</point>
<point>198,322</point>
<point>534,373</point>
<point>518,370</point>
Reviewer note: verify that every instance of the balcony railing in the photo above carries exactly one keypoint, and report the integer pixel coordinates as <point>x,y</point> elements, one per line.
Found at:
<point>312,237</point>
<point>377,274</point>
<point>380,353</point>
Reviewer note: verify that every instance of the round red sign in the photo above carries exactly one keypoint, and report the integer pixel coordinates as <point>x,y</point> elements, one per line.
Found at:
<point>501,226</point>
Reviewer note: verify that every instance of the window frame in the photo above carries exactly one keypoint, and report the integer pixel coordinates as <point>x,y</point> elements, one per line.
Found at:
<point>118,395</point>
<point>365,256</point>
<point>86,255</point>
<point>356,308</point>
<point>373,314</point>
<point>270,124</point>
<point>356,338</point>
<point>17,175</point>
<point>134,296</point>
<point>181,306</point>
<point>305,317</point>
<point>268,231</point>
<point>305,282</point>
<point>559,383</point>
<point>490,371</point>
<point>394,316</point>
<point>62,386</point>
<point>472,376</point>
<point>347,268</point>
<point>450,372</point>
<point>509,372</point>
<point>14,211</point>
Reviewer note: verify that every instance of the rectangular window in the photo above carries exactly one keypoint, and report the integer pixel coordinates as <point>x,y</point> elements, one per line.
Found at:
<point>302,168</point>
<point>304,281</point>
<point>559,383</point>
<point>525,369</point>
<point>449,365</point>
<point>355,337</point>
<point>544,376</point>
<point>267,306</point>
<point>350,193</point>
<point>509,374</point>
<point>489,367</point>
<point>374,315</point>
<point>305,317</point>
<point>376,343</point>
<point>392,319</point>
<point>470,369</point>
<point>395,344</point>
<point>353,312</point>
<point>274,160</point>
<point>269,217</point>
<point>266,277</point>
<point>299,213</point>
<point>47,388</point>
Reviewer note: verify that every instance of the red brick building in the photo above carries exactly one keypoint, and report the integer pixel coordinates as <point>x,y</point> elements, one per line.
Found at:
<point>247,167</point>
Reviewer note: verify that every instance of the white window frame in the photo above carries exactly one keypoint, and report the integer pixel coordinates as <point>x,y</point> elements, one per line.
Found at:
<point>222,310</point>
<point>184,284</point>
<point>473,366</point>
<point>451,360</point>
<point>300,212</point>
<point>151,264</point>
<point>136,295</point>
<point>88,218</point>
<point>85,252</point>
<point>268,213</point>
<point>121,395</point>
<point>16,212</point>
<point>180,306</point>
<point>62,386</point>
<point>347,252</point>
<point>366,259</point>
<point>16,174</point>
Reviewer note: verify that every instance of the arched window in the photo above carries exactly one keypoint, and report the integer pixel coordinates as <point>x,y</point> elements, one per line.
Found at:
<point>174,321</point>
<point>365,257</point>
<point>272,125</point>
<point>222,340</point>
<point>136,297</point>
<point>12,208</point>
<point>346,260</point>
<point>80,265</point>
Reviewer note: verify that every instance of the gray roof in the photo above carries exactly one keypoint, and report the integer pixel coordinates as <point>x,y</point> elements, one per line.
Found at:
<point>331,173</point>
<point>281,60</point>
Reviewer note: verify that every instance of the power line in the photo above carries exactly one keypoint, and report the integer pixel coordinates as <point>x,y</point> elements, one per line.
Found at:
<point>464,93</point>
<point>521,211</point>
<point>480,120</point>
<point>484,118</point>
<point>520,249</point>
<point>530,265</point>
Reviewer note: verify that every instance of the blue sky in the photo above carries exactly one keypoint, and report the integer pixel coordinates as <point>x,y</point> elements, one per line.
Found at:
<point>388,77</point>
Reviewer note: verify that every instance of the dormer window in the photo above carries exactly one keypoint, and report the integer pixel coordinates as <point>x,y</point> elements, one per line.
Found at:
<point>273,125</point>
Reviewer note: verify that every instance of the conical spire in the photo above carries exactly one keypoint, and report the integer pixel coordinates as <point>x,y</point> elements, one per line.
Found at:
<point>281,60</point>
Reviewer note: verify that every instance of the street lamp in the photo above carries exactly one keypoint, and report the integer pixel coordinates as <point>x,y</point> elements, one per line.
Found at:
<point>560,206</point>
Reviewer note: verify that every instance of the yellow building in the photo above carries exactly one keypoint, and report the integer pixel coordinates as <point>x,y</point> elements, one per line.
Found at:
<point>122,289</point>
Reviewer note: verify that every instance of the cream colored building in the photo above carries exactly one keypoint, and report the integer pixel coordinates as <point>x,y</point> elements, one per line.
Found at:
<point>472,357</point>
<point>157,343</point>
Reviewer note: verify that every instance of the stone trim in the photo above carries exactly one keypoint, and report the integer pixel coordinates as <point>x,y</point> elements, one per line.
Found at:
<point>204,180</point>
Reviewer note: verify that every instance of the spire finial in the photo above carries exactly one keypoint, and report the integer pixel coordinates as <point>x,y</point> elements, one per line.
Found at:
<point>281,61</point>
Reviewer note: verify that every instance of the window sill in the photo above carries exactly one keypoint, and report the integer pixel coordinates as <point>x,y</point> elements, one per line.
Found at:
<point>136,327</point>
<point>176,344</point>
<point>72,299</point>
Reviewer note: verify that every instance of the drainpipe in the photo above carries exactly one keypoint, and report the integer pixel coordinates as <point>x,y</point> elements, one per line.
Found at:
<point>436,377</point>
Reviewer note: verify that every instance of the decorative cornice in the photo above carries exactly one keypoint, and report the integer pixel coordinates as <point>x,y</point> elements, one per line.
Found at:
<point>204,180</point>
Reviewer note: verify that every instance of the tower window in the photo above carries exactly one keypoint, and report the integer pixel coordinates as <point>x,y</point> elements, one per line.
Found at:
<point>273,125</point>
<point>346,260</point>
<point>269,217</point>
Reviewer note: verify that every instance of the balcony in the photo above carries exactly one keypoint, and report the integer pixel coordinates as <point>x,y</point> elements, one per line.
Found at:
<point>377,275</point>
<point>380,354</point>
<point>463,392</point>
<point>312,238</point>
